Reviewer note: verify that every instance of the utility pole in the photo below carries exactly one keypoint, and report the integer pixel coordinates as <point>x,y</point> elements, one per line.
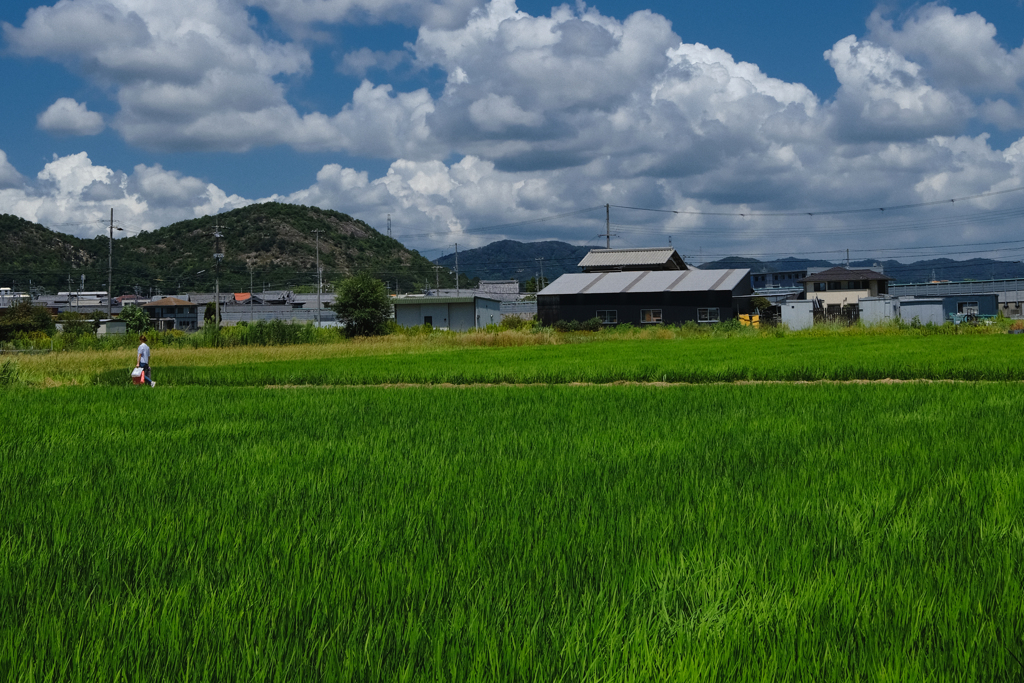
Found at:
<point>249,263</point>
<point>218,256</point>
<point>437,278</point>
<point>607,226</point>
<point>389,225</point>
<point>456,269</point>
<point>110,264</point>
<point>540,284</point>
<point>318,278</point>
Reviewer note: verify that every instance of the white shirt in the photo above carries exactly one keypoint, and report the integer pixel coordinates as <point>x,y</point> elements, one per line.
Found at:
<point>143,354</point>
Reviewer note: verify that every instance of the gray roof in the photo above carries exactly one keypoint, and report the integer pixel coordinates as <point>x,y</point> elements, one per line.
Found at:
<point>647,281</point>
<point>402,300</point>
<point>664,257</point>
<point>468,291</point>
<point>840,274</point>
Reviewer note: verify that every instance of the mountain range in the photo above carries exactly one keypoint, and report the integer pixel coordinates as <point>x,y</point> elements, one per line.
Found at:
<point>509,259</point>
<point>276,246</point>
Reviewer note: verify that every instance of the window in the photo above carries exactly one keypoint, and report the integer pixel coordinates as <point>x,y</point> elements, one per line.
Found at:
<point>967,307</point>
<point>834,285</point>
<point>608,317</point>
<point>650,315</point>
<point>428,320</point>
<point>707,315</point>
<point>819,286</point>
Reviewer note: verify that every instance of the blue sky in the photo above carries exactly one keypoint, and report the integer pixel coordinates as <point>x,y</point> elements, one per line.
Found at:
<point>456,116</point>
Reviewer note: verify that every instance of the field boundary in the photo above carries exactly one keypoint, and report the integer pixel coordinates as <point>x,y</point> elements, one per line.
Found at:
<point>620,383</point>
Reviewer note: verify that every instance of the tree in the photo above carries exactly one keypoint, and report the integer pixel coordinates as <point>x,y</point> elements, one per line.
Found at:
<point>134,318</point>
<point>363,306</point>
<point>24,318</point>
<point>761,303</point>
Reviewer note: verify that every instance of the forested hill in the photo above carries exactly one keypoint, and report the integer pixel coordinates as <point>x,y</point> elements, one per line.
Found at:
<point>277,241</point>
<point>512,260</point>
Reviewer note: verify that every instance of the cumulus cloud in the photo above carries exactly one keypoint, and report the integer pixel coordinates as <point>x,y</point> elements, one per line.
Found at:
<point>362,60</point>
<point>539,114</point>
<point>68,117</point>
<point>72,189</point>
<point>9,176</point>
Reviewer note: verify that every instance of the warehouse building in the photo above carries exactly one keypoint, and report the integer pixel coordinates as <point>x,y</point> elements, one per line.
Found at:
<point>646,297</point>
<point>456,313</point>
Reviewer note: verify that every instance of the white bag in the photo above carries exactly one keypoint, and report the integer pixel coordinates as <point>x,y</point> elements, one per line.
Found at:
<point>136,373</point>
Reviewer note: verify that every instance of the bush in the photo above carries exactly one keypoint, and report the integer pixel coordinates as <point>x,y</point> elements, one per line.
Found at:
<point>513,322</point>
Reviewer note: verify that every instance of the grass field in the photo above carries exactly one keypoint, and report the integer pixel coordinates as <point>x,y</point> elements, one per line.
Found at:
<point>614,533</point>
<point>529,358</point>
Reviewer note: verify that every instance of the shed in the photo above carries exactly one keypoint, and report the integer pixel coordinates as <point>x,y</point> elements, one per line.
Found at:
<point>798,314</point>
<point>984,305</point>
<point>646,297</point>
<point>927,311</point>
<point>878,309</point>
<point>111,327</point>
<point>456,313</point>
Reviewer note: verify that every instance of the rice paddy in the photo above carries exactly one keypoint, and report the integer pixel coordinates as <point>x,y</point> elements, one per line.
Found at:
<point>820,532</point>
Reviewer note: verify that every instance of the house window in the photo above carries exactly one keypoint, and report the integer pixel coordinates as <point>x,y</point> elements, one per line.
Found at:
<point>707,315</point>
<point>819,286</point>
<point>428,320</point>
<point>608,317</point>
<point>834,285</point>
<point>650,315</point>
<point>967,307</point>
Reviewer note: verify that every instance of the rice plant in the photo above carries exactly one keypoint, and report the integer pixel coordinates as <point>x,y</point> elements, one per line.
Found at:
<point>613,533</point>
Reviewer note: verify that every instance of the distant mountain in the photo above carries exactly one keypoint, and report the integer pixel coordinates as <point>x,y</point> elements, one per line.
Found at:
<point>509,259</point>
<point>276,240</point>
<point>919,271</point>
<point>512,260</point>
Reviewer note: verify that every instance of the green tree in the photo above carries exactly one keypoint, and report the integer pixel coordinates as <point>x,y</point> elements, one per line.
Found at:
<point>363,306</point>
<point>75,324</point>
<point>24,318</point>
<point>760,303</point>
<point>135,318</point>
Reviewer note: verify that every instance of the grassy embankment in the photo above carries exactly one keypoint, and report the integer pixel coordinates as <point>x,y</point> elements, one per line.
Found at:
<point>730,533</point>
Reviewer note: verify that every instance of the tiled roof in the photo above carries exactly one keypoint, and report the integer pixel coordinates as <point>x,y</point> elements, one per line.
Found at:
<point>168,301</point>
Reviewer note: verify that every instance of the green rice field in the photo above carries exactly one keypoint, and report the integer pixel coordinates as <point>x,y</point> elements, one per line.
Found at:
<point>213,529</point>
<point>992,358</point>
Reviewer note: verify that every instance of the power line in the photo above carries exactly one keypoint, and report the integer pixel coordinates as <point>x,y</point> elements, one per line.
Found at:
<point>827,212</point>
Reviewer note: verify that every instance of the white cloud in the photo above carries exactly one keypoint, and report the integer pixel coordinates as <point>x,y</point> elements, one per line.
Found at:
<point>9,176</point>
<point>538,115</point>
<point>71,189</point>
<point>68,117</point>
<point>956,51</point>
<point>357,63</point>
<point>884,96</point>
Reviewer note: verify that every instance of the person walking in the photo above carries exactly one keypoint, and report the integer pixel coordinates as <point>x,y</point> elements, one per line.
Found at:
<point>142,360</point>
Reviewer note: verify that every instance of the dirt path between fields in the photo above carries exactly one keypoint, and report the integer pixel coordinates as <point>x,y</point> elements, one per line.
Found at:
<point>621,383</point>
